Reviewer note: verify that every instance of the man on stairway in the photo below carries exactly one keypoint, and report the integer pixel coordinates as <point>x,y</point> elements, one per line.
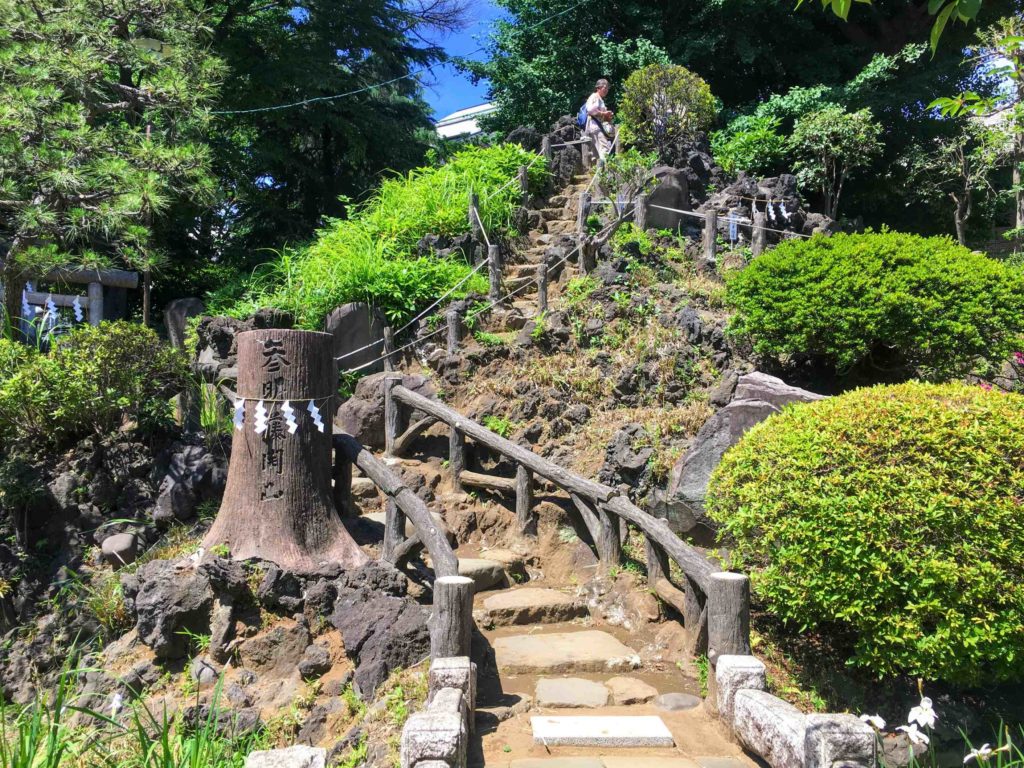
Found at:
<point>599,117</point>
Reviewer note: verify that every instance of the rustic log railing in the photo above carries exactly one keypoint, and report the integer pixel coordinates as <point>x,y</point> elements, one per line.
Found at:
<point>715,605</point>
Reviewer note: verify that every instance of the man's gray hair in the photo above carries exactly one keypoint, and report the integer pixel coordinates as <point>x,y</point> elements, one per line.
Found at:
<point>602,83</point>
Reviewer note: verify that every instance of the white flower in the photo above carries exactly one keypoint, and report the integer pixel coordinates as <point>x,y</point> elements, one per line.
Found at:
<point>923,714</point>
<point>874,721</point>
<point>116,703</point>
<point>983,753</point>
<point>917,738</point>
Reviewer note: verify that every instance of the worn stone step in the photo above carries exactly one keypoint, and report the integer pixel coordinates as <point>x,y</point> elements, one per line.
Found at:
<point>631,761</point>
<point>561,227</point>
<point>522,270</point>
<point>532,605</point>
<point>563,653</point>
<point>521,285</point>
<point>570,693</point>
<point>486,574</point>
<point>540,238</point>
<point>602,731</point>
<point>557,201</point>
<point>552,214</point>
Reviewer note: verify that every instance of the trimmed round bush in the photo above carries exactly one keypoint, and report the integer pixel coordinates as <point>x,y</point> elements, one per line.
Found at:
<point>663,103</point>
<point>894,514</point>
<point>889,302</point>
<point>91,380</point>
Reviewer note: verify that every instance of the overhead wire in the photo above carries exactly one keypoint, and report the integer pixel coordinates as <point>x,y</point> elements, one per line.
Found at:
<point>392,81</point>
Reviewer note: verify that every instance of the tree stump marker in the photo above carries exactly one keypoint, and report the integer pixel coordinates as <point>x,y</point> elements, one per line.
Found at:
<point>278,503</point>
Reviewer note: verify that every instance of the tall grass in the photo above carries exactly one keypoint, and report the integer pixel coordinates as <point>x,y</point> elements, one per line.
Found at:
<point>371,255</point>
<point>41,735</point>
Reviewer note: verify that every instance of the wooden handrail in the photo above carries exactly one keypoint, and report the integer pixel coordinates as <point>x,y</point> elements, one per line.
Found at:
<point>444,560</point>
<point>694,564</point>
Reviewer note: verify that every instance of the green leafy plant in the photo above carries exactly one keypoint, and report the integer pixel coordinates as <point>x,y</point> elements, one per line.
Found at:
<point>703,668</point>
<point>500,425</point>
<point>372,255</point>
<point>831,144</point>
<point>906,304</point>
<point>629,233</point>
<point>752,144</point>
<point>891,515</point>
<point>663,103</point>
<point>489,339</point>
<point>91,381</point>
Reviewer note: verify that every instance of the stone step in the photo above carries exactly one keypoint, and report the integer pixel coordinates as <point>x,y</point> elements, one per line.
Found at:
<point>632,761</point>
<point>555,653</point>
<point>540,238</point>
<point>557,201</point>
<point>553,214</point>
<point>522,270</point>
<point>616,731</point>
<point>532,605</point>
<point>570,693</point>
<point>561,227</point>
<point>514,284</point>
<point>486,574</point>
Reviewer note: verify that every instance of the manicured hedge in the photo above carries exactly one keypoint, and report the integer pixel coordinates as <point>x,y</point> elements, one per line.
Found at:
<point>893,512</point>
<point>902,304</point>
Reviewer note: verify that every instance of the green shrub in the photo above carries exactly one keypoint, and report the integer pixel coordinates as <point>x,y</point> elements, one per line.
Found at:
<point>751,144</point>
<point>903,303</point>
<point>894,513</point>
<point>90,381</point>
<point>631,233</point>
<point>664,103</point>
<point>371,256</point>
<point>13,355</point>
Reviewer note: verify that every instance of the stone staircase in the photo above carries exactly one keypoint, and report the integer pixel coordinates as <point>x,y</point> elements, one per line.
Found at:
<point>559,219</point>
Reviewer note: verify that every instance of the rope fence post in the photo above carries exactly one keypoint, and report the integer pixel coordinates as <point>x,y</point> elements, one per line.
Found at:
<point>454,330</point>
<point>710,236</point>
<point>640,212</point>
<point>542,288</point>
<point>474,220</point>
<point>394,530</point>
<point>545,149</point>
<point>389,349</point>
<point>583,213</point>
<point>95,296</point>
<point>494,272</point>
<point>585,154</point>
<point>524,185</point>
<point>759,235</point>
<point>524,497</point>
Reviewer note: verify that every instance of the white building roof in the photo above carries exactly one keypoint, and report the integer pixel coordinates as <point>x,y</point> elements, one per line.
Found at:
<point>463,122</point>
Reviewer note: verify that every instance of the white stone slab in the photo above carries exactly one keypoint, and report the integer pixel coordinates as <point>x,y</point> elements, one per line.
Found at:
<point>563,653</point>
<point>606,731</point>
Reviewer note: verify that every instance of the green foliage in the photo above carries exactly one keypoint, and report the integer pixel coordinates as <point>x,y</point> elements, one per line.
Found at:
<point>93,379</point>
<point>101,129</point>
<point>831,143</point>
<point>751,144</point>
<point>370,256</point>
<point>578,291</point>
<point>630,233</point>
<point>489,339</point>
<point>627,174</point>
<point>891,513</point>
<point>662,104</point>
<point>921,306</point>
<point>499,425</point>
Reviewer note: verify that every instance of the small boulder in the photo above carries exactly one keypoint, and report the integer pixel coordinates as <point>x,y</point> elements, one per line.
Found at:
<point>316,662</point>
<point>358,334</point>
<point>677,702</point>
<point>629,690</point>
<point>120,549</point>
<point>486,574</point>
<point>293,757</point>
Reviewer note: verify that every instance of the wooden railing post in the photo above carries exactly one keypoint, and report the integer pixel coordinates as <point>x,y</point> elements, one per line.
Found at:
<point>451,630</point>
<point>710,236</point>
<point>454,330</point>
<point>524,185</point>
<point>392,412</point>
<point>542,288</point>
<point>456,457</point>
<point>394,530</point>
<point>95,296</point>
<point>342,483</point>
<point>494,272</point>
<point>728,611</point>
<point>545,149</point>
<point>695,617</point>
<point>759,235</point>
<point>657,561</point>
<point>524,498</point>
<point>640,212</point>
<point>586,152</point>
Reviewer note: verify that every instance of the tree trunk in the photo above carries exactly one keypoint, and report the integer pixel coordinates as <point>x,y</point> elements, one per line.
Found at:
<point>13,285</point>
<point>278,503</point>
<point>960,219</point>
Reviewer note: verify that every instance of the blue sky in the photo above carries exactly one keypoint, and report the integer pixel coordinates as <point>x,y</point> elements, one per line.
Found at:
<point>447,89</point>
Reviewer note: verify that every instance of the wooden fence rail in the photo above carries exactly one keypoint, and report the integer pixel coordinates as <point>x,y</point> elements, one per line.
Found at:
<point>715,605</point>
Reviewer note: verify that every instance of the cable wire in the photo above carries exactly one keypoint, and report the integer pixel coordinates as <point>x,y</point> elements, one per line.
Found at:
<point>407,76</point>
